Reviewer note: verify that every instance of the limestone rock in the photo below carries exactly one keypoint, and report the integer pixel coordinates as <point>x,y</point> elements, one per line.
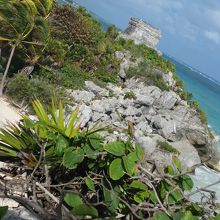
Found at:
<point>168,78</point>
<point>132,111</point>
<point>167,100</point>
<point>85,115</point>
<point>84,96</point>
<point>91,86</point>
<point>144,100</point>
<point>188,154</point>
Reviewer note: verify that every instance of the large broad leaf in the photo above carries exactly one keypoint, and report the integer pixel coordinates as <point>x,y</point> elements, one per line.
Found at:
<point>140,197</point>
<point>129,162</point>
<point>160,216</point>
<point>116,170</point>
<point>89,152</point>
<point>116,148</point>
<point>184,216</point>
<point>186,182</point>
<point>61,145</point>
<point>3,211</point>
<point>111,199</point>
<point>85,210</point>
<point>95,141</point>
<point>138,185</point>
<point>72,158</point>
<point>174,197</point>
<point>73,200</point>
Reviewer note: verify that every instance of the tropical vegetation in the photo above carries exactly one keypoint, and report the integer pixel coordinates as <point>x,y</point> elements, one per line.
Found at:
<point>85,176</point>
<point>73,173</point>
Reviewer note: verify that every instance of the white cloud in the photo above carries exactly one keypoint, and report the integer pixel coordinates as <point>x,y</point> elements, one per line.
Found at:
<point>214,17</point>
<point>213,35</point>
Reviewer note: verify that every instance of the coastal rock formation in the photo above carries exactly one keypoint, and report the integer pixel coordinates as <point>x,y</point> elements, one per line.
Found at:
<point>155,115</point>
<point>142,33</point>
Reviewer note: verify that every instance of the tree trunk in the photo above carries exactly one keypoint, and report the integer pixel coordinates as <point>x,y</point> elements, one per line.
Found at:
<point>6,69</point>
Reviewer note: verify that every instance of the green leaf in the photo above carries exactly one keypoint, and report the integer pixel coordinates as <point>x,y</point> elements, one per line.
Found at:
<point>3,211</point>
<point>129,162</point>
<point>71,130</point>
<point>174,197</point>
<point>170,170</point>
<point>84,210</point>
<point>195,209</point>
<point>60,119</point>
<point>28,123</point>
<point>116,148</point>
<point>90,184</point>
<point>89,152</point>
<point>139,151</point>
<point>186,182</point>
<point>177,163</point>
<point>72,158</point>
<point>61,145</point>
<point>187,215</point>
<point>138,185</point>
<point>116,170</point>
<point>73,200</point>
<point>141,196</point>
<point>111,199</point>
<point>160,216</point>
<point>95,141</point>
<point>217,217</point>
<point>153,197</point>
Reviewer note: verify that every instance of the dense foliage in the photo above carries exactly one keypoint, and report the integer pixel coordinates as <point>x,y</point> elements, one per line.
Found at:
<point>23,22</point>
<point>77,49</point>
<point>96,178</point>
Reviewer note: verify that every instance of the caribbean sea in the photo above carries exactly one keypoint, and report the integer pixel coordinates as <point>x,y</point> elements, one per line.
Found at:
<point>204,89</point>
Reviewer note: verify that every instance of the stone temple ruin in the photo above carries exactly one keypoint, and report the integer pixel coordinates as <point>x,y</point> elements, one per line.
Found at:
<point>142,33</point>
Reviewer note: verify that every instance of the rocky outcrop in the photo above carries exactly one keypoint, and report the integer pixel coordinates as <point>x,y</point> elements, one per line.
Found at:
<point>142,33</point>
<point>154,114</point>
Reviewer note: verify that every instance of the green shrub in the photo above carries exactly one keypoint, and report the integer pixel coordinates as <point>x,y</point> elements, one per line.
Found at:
<point>99,180</point>
<point>21,89</point>
<point>202,116</point>
<point>147,72</point>
<point>167,147</point>
<point>129,95</point>
<point>112,32</point>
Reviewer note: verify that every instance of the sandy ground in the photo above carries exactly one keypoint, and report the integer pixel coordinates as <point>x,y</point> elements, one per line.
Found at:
<point>8,113</point>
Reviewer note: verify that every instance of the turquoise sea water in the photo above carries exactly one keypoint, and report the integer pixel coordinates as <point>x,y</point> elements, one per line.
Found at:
<point>204,89</point>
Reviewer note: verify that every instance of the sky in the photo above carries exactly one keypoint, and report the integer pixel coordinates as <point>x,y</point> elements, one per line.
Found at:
<point>190,29</point>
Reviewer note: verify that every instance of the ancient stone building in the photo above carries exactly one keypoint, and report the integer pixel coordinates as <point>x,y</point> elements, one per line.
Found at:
<point>142,33</point>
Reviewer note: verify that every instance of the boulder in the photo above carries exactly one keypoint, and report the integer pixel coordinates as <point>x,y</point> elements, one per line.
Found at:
<point>85,115</point>
<point>167,100</point>
<point>131,111</point>
<point>143,100</point>
<point>188,154</point>
<point>84,96</point>
<point>92,87</point>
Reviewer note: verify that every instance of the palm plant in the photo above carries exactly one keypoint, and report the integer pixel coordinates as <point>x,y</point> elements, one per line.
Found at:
<point>18,20</point>
<point>49,132</point>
